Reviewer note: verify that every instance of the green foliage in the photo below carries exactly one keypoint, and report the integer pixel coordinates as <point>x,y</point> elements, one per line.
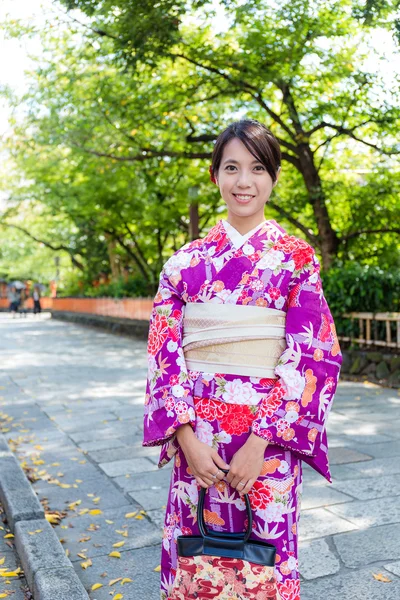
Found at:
<point>120,119</point>
<point>362,288</point>
<point>136,287</point>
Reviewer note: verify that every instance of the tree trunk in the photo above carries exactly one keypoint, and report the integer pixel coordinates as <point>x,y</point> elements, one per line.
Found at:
<point>112,257</point>
<point>328,243</point>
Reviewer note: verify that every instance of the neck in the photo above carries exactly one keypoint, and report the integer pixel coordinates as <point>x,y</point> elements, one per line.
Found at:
<point>245,224</point>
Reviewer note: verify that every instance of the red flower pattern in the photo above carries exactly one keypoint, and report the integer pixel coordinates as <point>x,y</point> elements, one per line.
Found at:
<point>289,589</point>
<point>237,419</point>
<point>210,410</point>
<point>158,333</point>
<point>260,495</point>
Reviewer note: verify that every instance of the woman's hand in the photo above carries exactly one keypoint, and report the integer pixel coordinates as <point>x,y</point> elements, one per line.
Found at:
<point>203,461</point>
<point>246,465</point>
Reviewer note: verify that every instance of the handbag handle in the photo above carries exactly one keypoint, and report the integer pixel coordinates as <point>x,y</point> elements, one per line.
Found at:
<point>203,527</point>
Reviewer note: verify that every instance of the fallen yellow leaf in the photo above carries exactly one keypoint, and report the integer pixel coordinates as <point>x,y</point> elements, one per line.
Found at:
<point>118,597</point>
<point>2,560</point>
<point>109,522</point>
<point>118,544</point>
<point>8,535</point>
<point>158,569</point>
<point>126,580</point>
<point>113,581</point>
<point>130,515</point>
<point>115,554</point>
<point>95,511</point>
<point>380,577</point>
<point>96,586</point>
<point>87,563</point>
<point>139,517</point>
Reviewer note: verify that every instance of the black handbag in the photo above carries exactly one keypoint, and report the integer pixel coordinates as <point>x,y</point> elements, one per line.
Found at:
<point>226,566</point>
<point>228,545</point>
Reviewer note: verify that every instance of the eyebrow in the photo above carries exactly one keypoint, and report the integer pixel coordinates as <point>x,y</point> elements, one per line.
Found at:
<point>232,160</point>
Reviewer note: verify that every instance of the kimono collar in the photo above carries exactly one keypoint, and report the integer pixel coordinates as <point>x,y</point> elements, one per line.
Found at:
<point>237,238</point>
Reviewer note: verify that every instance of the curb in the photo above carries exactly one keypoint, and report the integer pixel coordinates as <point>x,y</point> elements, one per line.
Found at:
<point>48,571</point>
<point>131,327</point>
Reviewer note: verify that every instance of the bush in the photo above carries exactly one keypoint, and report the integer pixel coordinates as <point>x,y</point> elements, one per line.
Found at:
<point>360,288</point>
<point>133,287</point>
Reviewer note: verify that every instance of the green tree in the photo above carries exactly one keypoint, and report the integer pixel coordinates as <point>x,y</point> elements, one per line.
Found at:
<point>299,66</point>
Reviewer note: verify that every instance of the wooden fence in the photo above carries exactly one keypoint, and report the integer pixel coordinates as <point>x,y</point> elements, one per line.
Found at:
<point>374,329</point>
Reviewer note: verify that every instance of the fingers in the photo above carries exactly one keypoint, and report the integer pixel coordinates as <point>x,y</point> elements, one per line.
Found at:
<point>203,483</point>
<point>220,461</point>
<point>220,475</point>
<point>247,488</point>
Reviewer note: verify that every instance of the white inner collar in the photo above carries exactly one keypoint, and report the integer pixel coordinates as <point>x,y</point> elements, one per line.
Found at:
<point>237,238</point>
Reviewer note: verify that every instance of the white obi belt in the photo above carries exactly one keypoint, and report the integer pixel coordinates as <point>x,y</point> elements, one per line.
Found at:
<point>233,339</point>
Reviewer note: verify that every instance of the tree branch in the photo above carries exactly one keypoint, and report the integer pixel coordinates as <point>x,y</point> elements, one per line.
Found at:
<point>74,260</point>
<point>310,236</point>
<point>143,157</point>
<point>344,238</point>
<point>251,89</point>
<point>129,250</point>
<point>349,132</point>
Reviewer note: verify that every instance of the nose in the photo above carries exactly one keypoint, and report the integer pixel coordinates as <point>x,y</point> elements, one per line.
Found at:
<point>244,179</point>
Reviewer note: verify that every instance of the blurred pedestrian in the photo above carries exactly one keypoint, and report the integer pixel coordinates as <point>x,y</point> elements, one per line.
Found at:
<point>23,299</point>
<point>13,298</point>
<point>37,308</point>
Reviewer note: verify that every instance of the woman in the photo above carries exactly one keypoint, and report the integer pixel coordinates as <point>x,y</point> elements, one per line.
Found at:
<point>243,365</point>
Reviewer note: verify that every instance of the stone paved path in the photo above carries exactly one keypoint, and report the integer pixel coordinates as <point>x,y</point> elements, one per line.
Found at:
<point>71,407</point>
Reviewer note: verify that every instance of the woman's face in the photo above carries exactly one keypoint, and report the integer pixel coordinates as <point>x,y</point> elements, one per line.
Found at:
<point>244,182</point>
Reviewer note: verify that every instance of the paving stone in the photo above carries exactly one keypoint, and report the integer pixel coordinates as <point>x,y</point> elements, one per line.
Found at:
<point>319,522</point>
<point>118,429</point>
<point>316,559</point>
<point>372,487</point>
<point>378,467</point>
<point>157,517</point>
<point>160,478</point>
<point>76,422</point>
<point>345,473</point>
<point>66,466</point>
<point>102,456</point>
<point>129,465</point>
<point>154,497</point>
<point>368,513</point>
<point>341,456</point>
<point>105,444</point>
<point>110,496</point>
<point>357,585</point>
<point>372,545</point>
<point>93,536</point>
<point>383,450</point>
<point>138,565</point>
<point>394,568</point>
<point>318,496</point>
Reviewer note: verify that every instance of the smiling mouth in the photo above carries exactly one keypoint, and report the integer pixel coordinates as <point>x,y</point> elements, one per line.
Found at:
<point>243,198</point>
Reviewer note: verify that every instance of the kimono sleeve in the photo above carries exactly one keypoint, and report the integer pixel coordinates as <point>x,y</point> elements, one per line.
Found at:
<point>169,399</point>
<point>293,414</point>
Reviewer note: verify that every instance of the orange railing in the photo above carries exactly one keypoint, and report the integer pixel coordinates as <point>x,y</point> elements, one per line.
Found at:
<point>125,308</point>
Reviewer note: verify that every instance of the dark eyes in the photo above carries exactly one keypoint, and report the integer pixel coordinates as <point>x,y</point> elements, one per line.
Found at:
<point>261,167</point>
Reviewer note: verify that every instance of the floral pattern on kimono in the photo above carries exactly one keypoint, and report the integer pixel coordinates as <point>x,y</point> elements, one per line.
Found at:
<point>270,269</point>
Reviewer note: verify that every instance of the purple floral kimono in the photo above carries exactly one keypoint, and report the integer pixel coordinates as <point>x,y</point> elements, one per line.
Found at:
<point>270,269</point>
